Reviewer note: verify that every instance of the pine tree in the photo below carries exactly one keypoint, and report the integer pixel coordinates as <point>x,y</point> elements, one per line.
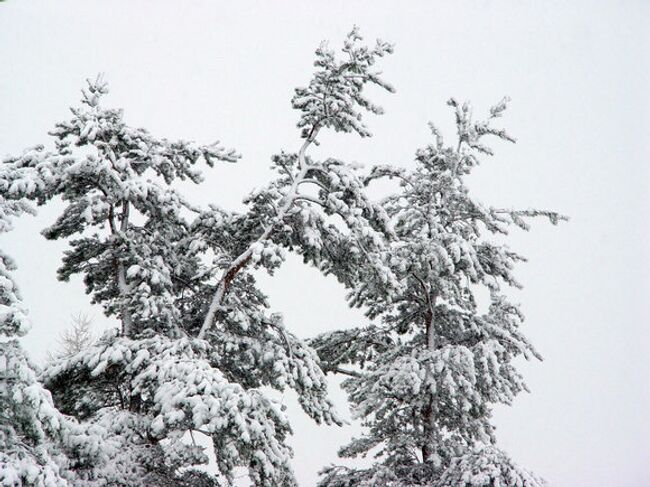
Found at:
<point>198,341</point>
<point>300,209</point>
<point>149,382</point>
<point>429,374</point>
<point>38,445</point>
<point>198,344</point>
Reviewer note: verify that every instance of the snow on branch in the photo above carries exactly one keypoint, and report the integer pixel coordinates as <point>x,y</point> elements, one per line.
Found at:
<point>334,97</point>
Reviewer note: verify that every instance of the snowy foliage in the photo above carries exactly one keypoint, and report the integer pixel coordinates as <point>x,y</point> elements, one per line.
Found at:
<point>13,315</point>
<point>431,371</point>
<point>334,96</point>
<point>199,346</point>
<point>483,466</point>
<point>173,387</point>
<point>287,213</point>
<point>38,445</point>
<point>105,171</point>
<point>487,466</point>
<point>198,340</point>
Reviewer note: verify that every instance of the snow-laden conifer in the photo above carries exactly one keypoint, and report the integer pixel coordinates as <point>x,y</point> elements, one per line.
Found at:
<point>38,445</point>
<point>150,383</point>
<point>296,211</point>
<point>428,375</point>
<point>198,340</point>
<point>198,344</point>
<point>122,216</point>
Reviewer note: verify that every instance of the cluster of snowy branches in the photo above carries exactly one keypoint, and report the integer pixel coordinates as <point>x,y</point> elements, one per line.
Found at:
<point>198,344</point>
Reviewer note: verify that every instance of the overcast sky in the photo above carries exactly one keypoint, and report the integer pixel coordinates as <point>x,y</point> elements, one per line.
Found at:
<point>579,76</point>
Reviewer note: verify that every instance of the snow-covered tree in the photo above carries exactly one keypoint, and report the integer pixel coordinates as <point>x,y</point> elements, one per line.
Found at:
<point>150,383</point>
<point>428,375</point>
<point>198,341</point>
<point>125,219</point>
<point>300,209</point>
<point>38,445</point>
<point>198,345</point>
<point>315,208</point>
<point>76,338</point>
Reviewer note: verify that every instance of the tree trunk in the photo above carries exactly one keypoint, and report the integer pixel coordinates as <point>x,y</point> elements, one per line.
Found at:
<point>122,285</point>
<point>125,312</point>
<point>127,319</point>
<point>428,412</point>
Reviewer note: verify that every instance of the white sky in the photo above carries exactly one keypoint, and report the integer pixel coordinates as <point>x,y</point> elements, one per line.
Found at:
<point>578,73</point>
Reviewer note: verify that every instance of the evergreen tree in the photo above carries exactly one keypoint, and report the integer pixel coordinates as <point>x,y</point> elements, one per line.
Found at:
<point>302,209</point>
<point>38,445</point>
<point>197,340</point>
<point>431,371</point>
<point>148,383</point>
